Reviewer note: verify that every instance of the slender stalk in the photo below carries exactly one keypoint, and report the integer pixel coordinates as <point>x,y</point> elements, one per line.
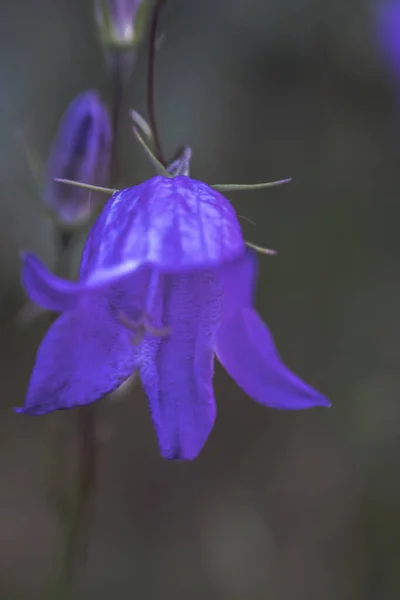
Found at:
<point>75,534</point>
<point>118,79</point>
<point>58,486</point>
<point>151,80</point>
<point>72,506</point>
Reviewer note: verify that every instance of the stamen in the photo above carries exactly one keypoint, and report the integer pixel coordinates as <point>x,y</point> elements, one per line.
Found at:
<point>141,326</point>
<point>156,331</point>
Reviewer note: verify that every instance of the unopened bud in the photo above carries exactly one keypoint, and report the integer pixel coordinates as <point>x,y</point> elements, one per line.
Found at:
<point>121,22</point>
<point>81,152</point>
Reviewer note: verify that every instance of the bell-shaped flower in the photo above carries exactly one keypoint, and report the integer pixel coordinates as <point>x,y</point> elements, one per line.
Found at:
<point>166,284</point>
<point>81,151</point>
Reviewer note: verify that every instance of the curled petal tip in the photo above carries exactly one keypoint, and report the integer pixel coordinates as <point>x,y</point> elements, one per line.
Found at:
<point>44,288</point>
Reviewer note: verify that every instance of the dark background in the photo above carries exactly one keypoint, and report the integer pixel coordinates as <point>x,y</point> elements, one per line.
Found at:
<point>284,506</point>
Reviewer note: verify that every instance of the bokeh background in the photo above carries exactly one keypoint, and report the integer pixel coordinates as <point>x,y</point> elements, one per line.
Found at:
<point>284,506</point>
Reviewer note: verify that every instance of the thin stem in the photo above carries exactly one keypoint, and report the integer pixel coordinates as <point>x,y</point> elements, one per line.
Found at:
<point>116,106</point>
<point>58,492</point>
<point>151,80</point>
<point>72,507</point>
<point>75,546</point>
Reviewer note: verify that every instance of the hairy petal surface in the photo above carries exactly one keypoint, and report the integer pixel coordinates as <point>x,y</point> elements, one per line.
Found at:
<point>84,355</point>
<point>173,224</point>
<point>246,349</point>
<point>177,370</point>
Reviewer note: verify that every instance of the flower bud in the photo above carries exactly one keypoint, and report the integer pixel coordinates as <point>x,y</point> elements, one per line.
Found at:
<point>120,22</point>
<point>81,151</point>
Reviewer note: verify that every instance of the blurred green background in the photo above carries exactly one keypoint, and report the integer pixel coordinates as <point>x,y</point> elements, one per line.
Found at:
<point>279,506</point>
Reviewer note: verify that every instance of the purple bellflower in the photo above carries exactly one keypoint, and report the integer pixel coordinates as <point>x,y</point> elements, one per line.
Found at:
<point>81,151</point>
<point>166,284</point>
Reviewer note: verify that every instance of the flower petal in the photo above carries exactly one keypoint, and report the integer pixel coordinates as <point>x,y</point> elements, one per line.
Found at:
<point>238,280</point>
<point>247,351</point>
<point>84,355</point>
<point>54,293</point>
<point>177,370</point>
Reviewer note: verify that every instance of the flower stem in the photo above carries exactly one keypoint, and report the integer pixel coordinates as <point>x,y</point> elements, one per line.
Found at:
<point>72,507</point>
<point>74,547</point>
<point>151,81</point>
<point>117,91</point>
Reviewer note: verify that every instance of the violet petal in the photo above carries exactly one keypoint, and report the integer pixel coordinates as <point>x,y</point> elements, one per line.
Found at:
<point>247,351</point>
<point>44,288</point>
<point>177,370</point>
<point>238,279</point>
<point>57,294</point>
<point>84,355</point>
